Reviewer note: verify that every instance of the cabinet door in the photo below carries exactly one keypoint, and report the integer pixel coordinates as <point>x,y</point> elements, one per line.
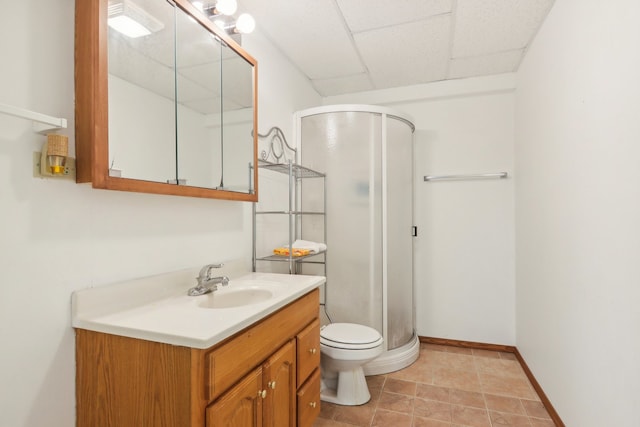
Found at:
<point>279,379</point>
<point>308,350</point>
<point>241,406</point>
<point>309,400</point>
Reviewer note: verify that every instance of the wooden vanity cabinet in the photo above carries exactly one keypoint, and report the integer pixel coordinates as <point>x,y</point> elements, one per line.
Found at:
<point>250,379</point>
<point>266,397</point>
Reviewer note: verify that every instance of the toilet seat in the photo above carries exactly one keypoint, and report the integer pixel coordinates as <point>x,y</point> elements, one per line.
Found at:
<point>350,336</point>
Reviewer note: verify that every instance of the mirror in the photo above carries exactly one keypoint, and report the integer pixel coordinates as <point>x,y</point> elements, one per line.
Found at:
<point>178,108</point>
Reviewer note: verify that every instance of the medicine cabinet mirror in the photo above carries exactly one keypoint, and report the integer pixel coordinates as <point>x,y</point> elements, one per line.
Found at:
<point>170,112</point>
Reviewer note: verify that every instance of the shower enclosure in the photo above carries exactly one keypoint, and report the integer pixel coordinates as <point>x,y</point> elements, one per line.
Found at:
<point>366,153</point>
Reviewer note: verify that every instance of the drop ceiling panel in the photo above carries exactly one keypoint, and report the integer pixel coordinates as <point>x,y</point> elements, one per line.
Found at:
<point>139,69</point>
<point>312,33</point>
<point>491,26</point>
<point>207,75</point>
<point>188,90</point>
<point>503,62</point>
<point>340,85</point>
<point>407,54</point>
<point>361,15</point>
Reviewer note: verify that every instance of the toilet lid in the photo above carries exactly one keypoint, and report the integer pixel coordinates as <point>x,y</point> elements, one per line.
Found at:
<point>349,335</point>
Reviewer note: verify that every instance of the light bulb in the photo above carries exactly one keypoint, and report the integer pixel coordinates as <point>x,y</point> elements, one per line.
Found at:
<point>227,7</point>
<point>245,24</point>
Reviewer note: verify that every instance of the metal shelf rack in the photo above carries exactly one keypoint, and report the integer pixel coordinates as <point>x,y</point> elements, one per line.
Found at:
<point>296,173</point>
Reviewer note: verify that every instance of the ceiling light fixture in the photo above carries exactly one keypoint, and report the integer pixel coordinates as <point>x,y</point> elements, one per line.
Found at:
<point>245,24</point>
<point>222,7</point>
<point>222,12</point>
<point>131,20</point>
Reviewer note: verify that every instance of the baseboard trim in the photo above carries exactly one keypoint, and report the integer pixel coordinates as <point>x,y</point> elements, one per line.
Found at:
<point>508,349</point>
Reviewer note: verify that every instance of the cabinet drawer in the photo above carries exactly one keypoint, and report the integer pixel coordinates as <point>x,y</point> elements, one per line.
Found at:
<point>235,358</point>
<point>308,352</point>
<point>309,400</point>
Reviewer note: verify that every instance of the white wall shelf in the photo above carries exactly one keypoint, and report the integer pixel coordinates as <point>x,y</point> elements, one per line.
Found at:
<point>41,122</point>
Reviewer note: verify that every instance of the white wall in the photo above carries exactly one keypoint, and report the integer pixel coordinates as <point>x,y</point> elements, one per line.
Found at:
<point>58,236</point>
<point>578,211</point>
<point>464,254</point>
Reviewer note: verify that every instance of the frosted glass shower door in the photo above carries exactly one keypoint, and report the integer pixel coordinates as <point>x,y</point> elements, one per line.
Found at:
<point>347,147</point>
<point>398,248</point>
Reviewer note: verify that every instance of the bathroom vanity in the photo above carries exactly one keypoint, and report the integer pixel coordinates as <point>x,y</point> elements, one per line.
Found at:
<point>240,365</point>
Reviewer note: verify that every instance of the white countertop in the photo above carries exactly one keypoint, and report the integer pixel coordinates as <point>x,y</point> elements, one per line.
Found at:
<point>158,308</point>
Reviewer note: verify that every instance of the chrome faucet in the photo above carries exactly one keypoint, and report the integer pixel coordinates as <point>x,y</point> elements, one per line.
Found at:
<point>206,283</point>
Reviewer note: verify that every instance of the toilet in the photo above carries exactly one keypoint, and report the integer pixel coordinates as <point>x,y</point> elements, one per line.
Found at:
<point>345,348</point>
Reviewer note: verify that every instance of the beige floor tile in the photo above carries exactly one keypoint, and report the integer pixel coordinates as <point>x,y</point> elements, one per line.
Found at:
<point>459,350</point>
<point>322,422</point>
<point>433,347</point>
<point>376,380</point>
<point>432,409</point>
<point>507,386</point>
<point>328,410</point>
<point>535,409</point>
<point>432,392</point>
<point>507,404</point>
<point>500,367</point>
<point>384,418</point>
<point>452,378</point>
<point>426,422</point>
<point>395,385</point>
<point>466,398</point>
<point>356,415</point>
<point>443,388</point>
<point>461,362</point>
<point>486,353</point>
<point>418,372</point>
<point>375,393</point>
<point>396,402</point>
<point>538,422</point>
<point>499,419</point>
<point>467,416</point>
<point>507,356</point>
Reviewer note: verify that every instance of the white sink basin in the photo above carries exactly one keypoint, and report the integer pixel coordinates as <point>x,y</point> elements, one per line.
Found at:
<point>157,308</point>
<point>240,293</point>
<point>235,298</point>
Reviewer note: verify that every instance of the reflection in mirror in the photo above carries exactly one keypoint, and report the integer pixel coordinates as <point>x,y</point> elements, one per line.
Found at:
<point>237,122</point>
<point>142,97</point>
<point>174,117</point>
<point>198,56</point>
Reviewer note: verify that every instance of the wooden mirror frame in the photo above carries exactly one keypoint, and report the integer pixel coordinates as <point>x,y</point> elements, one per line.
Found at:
<point>91,109</point>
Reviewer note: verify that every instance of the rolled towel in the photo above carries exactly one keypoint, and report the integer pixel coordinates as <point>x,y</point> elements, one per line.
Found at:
<point>313,247</point>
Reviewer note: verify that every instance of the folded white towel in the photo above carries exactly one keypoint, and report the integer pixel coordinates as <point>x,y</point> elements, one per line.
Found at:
<point>313,247</point>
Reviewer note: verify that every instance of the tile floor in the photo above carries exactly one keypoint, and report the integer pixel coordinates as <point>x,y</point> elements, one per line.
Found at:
<point>446,387</point>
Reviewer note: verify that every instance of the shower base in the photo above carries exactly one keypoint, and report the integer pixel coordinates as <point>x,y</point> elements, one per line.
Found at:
<point>394,360</point>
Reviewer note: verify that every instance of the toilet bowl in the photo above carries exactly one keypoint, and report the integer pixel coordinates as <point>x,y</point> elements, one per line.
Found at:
<point>345,348</point>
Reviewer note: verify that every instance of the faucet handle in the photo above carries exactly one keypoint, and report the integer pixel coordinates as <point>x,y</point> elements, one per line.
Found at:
<point>204,271</point>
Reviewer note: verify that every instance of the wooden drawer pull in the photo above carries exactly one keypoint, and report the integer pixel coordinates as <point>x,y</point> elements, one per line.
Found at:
<point>272,385</point>
<point>313,351</point>
<point>313,404</point>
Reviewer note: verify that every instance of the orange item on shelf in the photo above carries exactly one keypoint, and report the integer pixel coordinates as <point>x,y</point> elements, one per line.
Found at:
<point>284,251</point>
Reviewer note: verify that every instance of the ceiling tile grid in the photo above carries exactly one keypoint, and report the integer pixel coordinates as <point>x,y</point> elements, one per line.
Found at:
<point>347,46</point>
<point>419,53</point>
<point>491,26</point>
<point>384,13</point>
<point>345,84</point>
<point>497,63</point>
<point>311,33</point>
